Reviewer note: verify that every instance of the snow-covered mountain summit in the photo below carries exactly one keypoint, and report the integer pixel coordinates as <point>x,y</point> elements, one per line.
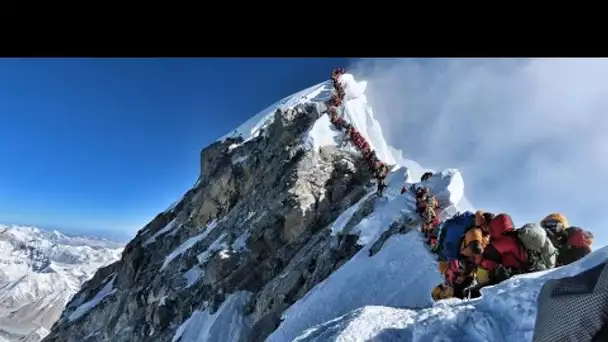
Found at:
<point>284,238</point>
<point>39,272</point>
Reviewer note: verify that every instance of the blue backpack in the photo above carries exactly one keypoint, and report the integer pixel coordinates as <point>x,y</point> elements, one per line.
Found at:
<point>453,231</point>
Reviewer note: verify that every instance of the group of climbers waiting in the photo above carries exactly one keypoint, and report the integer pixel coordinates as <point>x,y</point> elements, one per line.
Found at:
<point>474,249</point>
<point>427,207</point>
<point>481,249</point>
<point>378,168</point>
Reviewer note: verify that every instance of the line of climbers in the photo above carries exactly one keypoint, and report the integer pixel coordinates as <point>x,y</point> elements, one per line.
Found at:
<point>378,168</point>
<point>481,249</point>
<point>427,207</point>
<point>474,249</point>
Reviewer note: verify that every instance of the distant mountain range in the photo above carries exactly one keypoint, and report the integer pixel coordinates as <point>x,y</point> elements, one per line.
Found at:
<point>40,271</point>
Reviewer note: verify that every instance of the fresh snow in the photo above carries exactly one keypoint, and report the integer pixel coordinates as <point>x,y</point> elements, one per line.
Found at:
<point>416,171</point>
<point>448,185</point>
<point>240,159</point>
<point>181,249</point>
<point>402,274</point>
<point>322,133</point>
<point>342,220</point>
<point>505,312</point>
<point>240,244</point>
<point>358,113</point>
<point>193,275</point>
<point>217,245</point>
<point>40,272</point>
<point>169,227</point>
<point>228,323</point>
<point>252,127</point>
<point>106,291</point>
<point>361,116</point>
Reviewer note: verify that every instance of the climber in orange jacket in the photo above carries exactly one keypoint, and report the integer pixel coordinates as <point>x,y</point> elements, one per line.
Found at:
<point>460,274</point>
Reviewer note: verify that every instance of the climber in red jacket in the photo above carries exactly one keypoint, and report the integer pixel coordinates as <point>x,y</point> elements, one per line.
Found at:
<point>335,100</point>
<point>504,256</point>
<point>337,121</point>
<point>364,146</point>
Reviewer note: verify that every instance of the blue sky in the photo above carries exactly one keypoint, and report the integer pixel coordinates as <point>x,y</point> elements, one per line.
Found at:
<point>103,145</point>
<point>100,146</point>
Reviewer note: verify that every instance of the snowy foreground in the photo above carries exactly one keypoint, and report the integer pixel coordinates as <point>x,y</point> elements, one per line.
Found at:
<point>385,297</point>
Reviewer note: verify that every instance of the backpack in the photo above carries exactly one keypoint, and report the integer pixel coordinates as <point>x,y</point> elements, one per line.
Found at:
<point>579,238</point>
<point>452,233</point>
<point>541,253</point>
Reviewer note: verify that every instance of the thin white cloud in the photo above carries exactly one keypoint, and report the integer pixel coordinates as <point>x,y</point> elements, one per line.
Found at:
<point>529,135</point>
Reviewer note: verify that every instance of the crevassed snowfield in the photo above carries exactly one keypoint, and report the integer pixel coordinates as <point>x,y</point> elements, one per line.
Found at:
<point>385,297</point>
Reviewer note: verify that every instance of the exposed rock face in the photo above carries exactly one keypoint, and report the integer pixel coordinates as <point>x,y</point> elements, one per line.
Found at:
<point>257,221</point>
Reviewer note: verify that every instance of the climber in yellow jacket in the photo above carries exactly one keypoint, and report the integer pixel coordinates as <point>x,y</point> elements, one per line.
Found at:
<point>460,274</point>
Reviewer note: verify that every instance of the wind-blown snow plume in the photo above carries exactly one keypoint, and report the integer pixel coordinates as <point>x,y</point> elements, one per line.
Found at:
<point>531,133</point>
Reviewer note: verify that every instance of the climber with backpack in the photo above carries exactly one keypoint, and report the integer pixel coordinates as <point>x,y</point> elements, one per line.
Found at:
<point>335,100</point>
<point>541,253</point>
<point>458,238</point>
<point>337,121</point>
<point>504,256</point>
<point>426,204</point>
<point>572,243</point>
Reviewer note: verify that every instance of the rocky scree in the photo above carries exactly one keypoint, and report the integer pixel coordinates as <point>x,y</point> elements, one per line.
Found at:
<point>258,220</point>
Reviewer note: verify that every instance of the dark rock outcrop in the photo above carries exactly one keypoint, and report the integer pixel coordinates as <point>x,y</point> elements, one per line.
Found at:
<point>258,220</point>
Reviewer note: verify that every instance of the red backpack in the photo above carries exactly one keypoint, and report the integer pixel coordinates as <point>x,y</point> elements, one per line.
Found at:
<point>579,238</point>
<point>512,252</point>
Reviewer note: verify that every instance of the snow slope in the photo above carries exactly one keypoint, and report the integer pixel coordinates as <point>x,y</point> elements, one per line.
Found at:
<point>39,273</point>
<point>228,323</point>
<point>379,280</point>
<point>505,312</point>
<point>402,274</point>
<point>360,114</point>
<point>386,297</point>
<point>252,127</point>
<point>355,110</point>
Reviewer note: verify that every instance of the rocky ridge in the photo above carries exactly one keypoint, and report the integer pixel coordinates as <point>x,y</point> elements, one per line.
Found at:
<point>256,223</point>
